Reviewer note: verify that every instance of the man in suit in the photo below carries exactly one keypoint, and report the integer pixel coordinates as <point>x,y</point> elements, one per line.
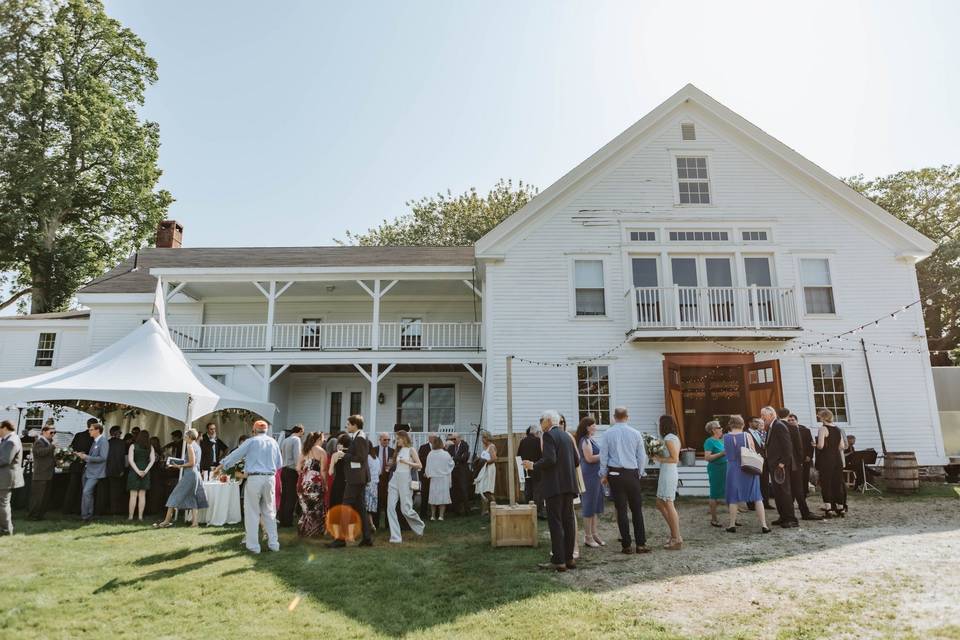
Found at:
<point>212,448</point>
<point>11,473</point>
<point>290,453</point>
<point>809,447</point>
<point>423,452</point>
<point>357,477</point>
<point>44,462</point>
<point>384,453</point>
<point>96,469</point>
<point>531,449</point>
<point>80,444</point>
<point>557,469</point>
<point>116,483</point>
<point>782,463</point>
<point>796,475</point>
<point>460,479</point>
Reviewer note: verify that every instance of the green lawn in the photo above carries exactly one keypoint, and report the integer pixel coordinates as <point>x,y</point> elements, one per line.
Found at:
<point>113,579</point>
<point>120,580</point>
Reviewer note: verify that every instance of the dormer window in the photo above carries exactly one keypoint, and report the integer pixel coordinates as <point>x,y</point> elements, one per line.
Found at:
<point>692,180</point>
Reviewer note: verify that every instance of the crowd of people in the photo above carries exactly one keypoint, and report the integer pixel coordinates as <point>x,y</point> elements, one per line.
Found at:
<point>343,487</point>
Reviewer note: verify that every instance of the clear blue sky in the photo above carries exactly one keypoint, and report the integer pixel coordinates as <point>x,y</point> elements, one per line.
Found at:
<point>285,123</point>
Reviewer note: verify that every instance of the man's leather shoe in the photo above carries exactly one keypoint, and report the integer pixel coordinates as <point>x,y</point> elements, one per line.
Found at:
<point>627,550</point>
<point>791,524</point>
<point>777,522</point>
<point>552,567</point>
<point>812,516</point>
<point>336,544</point>
<point>642,548</point>
<point>571,565</point>
<point>365,543</point>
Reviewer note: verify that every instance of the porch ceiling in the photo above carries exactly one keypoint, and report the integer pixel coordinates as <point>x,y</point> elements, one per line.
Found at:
<point>400,368</point>
<point>331,289</point>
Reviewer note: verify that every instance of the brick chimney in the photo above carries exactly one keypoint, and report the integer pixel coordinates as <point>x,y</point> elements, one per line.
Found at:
<point>169,235</point>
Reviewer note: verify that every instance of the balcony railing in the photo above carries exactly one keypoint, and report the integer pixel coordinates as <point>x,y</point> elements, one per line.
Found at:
<point>342,336</point>
<point>714,308</point>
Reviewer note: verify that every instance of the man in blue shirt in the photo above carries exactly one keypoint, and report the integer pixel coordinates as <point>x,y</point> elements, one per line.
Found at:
<point>261,456</point>
<point>623,459</point>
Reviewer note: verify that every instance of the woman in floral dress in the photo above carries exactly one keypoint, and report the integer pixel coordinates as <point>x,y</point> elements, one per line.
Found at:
<point>311,489</point>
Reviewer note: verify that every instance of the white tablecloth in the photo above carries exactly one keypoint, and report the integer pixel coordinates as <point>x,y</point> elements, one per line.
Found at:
<point>224,500</point>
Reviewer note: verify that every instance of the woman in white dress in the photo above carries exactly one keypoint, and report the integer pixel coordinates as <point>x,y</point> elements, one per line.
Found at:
<point>439,469</point>
<point>486,480</point>
<point>669,478</point>
<point>405,460</point>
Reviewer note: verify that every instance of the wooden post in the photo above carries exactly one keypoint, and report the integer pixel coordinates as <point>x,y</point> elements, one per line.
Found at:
<point>511,472</point>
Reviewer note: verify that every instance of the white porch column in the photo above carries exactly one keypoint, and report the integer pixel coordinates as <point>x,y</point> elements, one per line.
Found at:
<point>375,330</point>
<point>271,310</point>
<point>374,383</point>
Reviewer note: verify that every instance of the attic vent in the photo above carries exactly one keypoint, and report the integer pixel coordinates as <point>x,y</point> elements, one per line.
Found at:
<point>688,131</point>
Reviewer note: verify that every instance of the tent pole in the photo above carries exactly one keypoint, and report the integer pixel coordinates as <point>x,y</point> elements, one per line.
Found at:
<point>873,394</point>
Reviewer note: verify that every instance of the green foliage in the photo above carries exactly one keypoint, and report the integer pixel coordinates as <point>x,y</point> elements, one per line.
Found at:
<point>445,220</point>
<point>929,201</point>
<point>78,168</point>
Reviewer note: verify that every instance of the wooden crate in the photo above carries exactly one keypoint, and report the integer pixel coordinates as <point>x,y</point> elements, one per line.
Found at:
<point>514,526</point>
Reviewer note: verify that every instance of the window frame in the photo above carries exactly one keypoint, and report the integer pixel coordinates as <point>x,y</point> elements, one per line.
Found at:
<point>611,404</point>
<point>426,386</point>
<point>572,280</point>
<point>692,152</point>
<point>798,264</point>
<point>844,370</point>
<point>27,418</point>
<point>52,349</point>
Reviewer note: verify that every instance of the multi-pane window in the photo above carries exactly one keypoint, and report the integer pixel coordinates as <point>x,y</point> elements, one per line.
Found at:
<point>588,281</point>
<point>699,236</point>
<point>817,285</point>
<point>336,408</point>
<point>441,405</point>
<point>410,406</point>
<point>356,403</point>
<point>33,419</point>
<point>643,236</point>
<point>593,393</point>
<point>829,391</point>
<point>45,347</point>
<point>694,186</point>
<point>754,236</point>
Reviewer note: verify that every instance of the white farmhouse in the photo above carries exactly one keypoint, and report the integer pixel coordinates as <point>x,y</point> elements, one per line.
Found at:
<point>649,276</point>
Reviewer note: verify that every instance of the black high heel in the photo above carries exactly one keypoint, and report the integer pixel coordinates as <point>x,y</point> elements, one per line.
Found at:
<point>765,529</point>
<point>731,529</point>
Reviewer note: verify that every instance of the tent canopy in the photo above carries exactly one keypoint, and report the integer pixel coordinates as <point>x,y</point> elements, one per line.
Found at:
<point>145,370</point>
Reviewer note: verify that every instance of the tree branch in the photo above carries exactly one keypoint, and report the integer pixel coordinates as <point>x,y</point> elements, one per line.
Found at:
<point>19,294</point>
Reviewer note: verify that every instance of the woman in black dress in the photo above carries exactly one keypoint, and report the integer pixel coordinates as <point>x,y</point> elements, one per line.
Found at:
<point>157,494</point>
<point>339,472</point>
<point>830,443</point>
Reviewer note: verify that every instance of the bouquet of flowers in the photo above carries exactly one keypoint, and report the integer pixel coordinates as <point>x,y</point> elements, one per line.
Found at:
<point>236,471</point>
<point>653,446</point>
<point>64,456</point>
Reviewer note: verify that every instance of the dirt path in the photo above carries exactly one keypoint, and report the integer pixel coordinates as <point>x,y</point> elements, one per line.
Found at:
<point>891,568</point>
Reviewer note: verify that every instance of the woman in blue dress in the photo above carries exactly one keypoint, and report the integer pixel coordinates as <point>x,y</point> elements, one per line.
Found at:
<point>741,486</point>
<point>591,501</point>
<point>188,494</point>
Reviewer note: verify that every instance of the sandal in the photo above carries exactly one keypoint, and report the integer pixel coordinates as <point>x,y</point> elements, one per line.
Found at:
<point>731,529</point>
<point>599,541</point>
<point>592,545</point>
<point>162,525</point>
<point>716,524</point>
<point>676,546</point>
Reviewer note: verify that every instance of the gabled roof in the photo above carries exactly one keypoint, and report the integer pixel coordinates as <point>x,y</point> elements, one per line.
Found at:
<point>491,244</point>
<point>121,279</point>
<point>77,314</point>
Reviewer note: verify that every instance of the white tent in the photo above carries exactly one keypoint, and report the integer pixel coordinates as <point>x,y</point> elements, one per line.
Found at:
<point>145,370</point>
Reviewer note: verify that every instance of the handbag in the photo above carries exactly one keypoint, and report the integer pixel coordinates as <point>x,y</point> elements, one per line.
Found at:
<point>414,480</point>
<point>751,462</point>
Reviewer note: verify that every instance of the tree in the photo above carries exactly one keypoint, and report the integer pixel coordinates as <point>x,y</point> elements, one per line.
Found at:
<point>929,201</point>
<point>445,220</point>
<point>78,168</point>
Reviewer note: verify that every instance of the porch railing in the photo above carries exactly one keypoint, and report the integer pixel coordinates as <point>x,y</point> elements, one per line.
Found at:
<point>328,336</point>
<point>714,307</point>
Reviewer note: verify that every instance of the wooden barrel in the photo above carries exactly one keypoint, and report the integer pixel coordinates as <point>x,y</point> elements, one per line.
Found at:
<point>900,472</point>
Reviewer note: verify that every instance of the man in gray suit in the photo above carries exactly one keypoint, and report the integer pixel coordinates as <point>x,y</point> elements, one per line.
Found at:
<point>95,470</point>
<point>11,472</point>
<point>43,464</point>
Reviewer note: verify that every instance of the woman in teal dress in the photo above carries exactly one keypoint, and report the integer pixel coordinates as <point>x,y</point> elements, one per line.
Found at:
<point>716,459</point>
